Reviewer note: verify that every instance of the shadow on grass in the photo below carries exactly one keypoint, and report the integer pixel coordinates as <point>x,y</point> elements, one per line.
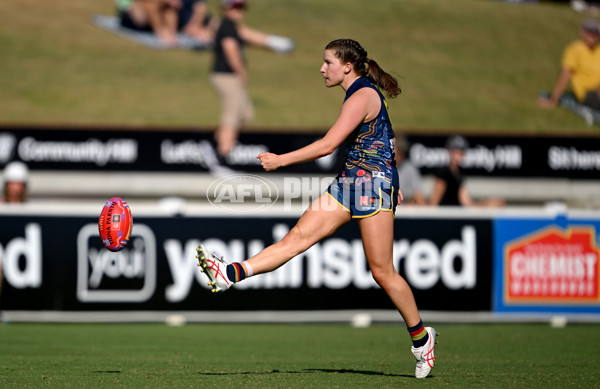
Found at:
<point>309,371</point>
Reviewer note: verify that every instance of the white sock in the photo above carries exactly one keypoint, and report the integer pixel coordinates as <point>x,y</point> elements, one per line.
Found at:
<point>249,271</point>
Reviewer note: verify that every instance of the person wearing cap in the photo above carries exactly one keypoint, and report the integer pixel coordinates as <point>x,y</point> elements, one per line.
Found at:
<point>229,74</point>
<point>409,176</point>
<point>581,68</point>
<point>449,188</point>
<point>15,182</point>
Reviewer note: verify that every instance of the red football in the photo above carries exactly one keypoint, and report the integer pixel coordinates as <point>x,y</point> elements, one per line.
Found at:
<point>115,224</point>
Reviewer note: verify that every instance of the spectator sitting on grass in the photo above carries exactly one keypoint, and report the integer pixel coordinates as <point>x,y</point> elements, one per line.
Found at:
<point>166,17</point>
<point>580,68</point>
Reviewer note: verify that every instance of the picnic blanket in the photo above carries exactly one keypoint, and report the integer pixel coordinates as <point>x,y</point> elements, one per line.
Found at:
<point>145,38</point>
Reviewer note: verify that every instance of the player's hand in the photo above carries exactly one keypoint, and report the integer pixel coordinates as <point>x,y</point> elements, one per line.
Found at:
<point>269,161</point>
<point>400,197</point>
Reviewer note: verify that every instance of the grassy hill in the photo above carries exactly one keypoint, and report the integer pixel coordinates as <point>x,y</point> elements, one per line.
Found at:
<point>471,65</point>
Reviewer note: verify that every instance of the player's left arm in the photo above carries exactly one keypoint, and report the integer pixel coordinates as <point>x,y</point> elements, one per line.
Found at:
<point>356,110</point>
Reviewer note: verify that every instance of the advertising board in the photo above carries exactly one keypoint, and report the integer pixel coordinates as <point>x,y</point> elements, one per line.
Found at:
<point>143,149</point>
<point>59,263</point>
<point>547,265</point>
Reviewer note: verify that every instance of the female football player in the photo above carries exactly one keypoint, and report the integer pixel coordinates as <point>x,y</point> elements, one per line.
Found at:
<point>366,190</point>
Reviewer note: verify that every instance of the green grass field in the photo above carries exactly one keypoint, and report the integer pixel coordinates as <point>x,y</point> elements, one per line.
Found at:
<point>464,65</point>
<point>294,356</point>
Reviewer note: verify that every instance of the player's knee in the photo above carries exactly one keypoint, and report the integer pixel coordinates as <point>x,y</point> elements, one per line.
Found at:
<point>295,241</point>
<point>382,275</point>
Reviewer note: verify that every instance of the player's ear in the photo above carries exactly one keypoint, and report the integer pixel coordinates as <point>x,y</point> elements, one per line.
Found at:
<point>348,68</point>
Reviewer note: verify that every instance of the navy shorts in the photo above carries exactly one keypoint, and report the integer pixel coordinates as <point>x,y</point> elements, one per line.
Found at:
<point>364,196</point>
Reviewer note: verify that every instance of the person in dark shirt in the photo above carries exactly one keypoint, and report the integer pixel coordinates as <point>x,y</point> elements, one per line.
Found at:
<point>449,186</point>
<point>229,76</point>
<point>229,73</point>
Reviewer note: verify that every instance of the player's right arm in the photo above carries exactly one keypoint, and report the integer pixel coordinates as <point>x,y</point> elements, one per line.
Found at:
<point>356,110</point>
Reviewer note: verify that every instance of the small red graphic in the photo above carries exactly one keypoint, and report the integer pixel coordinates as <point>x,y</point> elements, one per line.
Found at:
<point>553,266</point>
<point>364,200</point>
<point>362,176</point>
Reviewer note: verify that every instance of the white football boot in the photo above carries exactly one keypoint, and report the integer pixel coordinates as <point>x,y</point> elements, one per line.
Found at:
<point>214,268</point>
<point>425,355</point>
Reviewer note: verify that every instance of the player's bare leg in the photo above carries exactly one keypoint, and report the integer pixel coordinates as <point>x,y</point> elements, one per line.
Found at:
<point>320,220</point>
<point>378,237</point>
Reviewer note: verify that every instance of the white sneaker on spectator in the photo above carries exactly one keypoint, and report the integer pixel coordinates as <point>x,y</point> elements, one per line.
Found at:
<point>215,269</point>
<point>425,354</point>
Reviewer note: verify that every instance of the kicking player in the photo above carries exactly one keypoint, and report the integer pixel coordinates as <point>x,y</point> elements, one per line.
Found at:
<point>366,190</point>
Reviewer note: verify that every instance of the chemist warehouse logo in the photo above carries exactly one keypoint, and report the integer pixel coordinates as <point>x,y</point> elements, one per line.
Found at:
<point>552,266</point>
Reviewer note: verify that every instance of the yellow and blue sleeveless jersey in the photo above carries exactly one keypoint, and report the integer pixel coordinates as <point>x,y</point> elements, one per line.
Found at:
<point>369,181</point>
<point>370,147</point>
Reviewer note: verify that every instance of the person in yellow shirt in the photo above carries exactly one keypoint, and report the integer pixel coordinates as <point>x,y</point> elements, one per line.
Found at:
<point>580,67</point>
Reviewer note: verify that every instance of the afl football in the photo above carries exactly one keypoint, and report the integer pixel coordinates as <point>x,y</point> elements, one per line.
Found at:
<point>115,224</point>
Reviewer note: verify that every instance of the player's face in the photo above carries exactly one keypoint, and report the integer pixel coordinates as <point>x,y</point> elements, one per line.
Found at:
<point>333,70</point>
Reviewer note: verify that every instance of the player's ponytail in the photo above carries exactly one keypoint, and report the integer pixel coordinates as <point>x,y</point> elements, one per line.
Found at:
<point>348,50</point>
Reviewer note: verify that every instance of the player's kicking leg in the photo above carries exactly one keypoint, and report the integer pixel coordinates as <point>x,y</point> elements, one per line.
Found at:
<point>322,219</point>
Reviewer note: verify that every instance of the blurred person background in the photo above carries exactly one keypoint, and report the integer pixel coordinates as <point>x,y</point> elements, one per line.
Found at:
<point>15,179</point>
<point>409,176</point>
<point>580,69</point>
<point>166,18</point>
<point>449,186</point>
<point>229,74</point>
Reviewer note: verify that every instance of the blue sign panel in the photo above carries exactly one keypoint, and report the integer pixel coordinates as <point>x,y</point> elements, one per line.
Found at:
<point>546,265</point>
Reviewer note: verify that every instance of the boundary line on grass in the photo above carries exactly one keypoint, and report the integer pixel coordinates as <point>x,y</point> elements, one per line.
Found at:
<point>335,316</point>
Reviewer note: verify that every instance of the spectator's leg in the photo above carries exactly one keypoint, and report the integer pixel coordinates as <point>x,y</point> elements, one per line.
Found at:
<point>195,20</point>
<point>233,103</point>
<point>158,17</point>
<point>570,102</point>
